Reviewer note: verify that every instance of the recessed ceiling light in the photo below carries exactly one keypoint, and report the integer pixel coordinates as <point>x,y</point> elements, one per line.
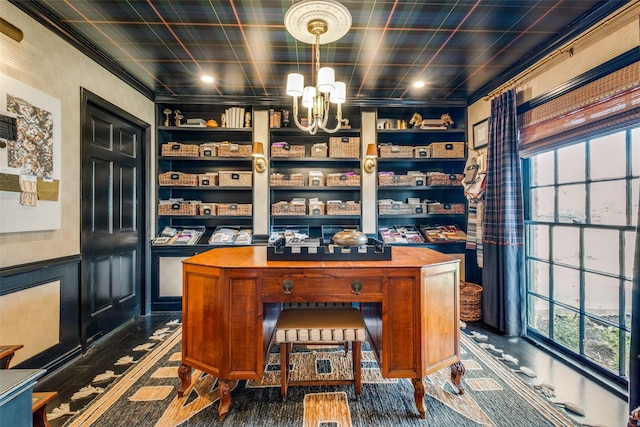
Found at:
<point>418,84</point>
<point>207,79</point>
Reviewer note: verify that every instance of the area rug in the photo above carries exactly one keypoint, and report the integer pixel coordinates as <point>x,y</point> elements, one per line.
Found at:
<point>146,394</point>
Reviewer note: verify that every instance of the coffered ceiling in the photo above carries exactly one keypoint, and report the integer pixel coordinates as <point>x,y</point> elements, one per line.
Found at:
<point>462,49</point>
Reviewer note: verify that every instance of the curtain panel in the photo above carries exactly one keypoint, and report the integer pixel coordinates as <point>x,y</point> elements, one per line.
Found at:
<point>610,102</point>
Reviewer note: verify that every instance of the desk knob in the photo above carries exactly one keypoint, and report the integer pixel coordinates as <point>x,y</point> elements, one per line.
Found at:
<point>287,286</point>
<point>356,286</point>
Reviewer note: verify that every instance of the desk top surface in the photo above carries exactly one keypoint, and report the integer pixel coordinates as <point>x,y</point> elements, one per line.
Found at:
<point>13,380</point>
<point>256,257</point>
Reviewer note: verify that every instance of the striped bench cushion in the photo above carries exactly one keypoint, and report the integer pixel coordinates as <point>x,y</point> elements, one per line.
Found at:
<point>326,324</point>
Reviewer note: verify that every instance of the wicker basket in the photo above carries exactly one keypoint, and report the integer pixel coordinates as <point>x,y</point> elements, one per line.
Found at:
<point>282,180</point>
<point>287,151</point>
<point>207,209</point>
<point>320,149</point>
<point>209,149</point>
<point>343,208</point>
<point>209,179</point>
<point>344,147</point>
<point>402,208</point>
<point>395,151</point>
<point>177,149</point>
<point>400,180</point>
<point>445,208</point>
<point>178,208</point>
<point>422,152</point>
<point>228,149</point>
<point>235,178</point>
<point>470,302</point>
<point>444,179</point>
<point>236,209</point>
<point>447,150</point>
<point>177,178</point>
<point>288,208</point>
<point>342,180</point>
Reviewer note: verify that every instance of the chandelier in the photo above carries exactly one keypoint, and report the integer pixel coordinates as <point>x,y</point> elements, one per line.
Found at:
<point>307,21</point>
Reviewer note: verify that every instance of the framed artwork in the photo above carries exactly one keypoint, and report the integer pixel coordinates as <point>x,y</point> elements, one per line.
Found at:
<point>480,134</point>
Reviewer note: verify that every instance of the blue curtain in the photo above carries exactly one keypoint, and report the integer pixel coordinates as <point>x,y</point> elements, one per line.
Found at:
<point>503,275</point>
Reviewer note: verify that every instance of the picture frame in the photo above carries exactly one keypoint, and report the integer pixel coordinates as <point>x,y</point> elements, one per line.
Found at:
<point>480,134</point>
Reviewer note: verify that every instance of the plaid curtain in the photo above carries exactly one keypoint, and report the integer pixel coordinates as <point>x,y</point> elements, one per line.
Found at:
<point>503,223</point>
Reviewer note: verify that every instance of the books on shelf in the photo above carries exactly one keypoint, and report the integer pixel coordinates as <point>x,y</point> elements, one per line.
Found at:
<point>175,236</point>
<point>235,117</point>
<point>227,235</point>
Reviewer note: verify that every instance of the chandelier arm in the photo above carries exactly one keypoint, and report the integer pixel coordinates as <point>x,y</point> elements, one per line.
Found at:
<point>338,120</point>
<point>295,116</point>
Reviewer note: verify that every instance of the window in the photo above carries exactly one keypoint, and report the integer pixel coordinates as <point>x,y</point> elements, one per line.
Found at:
<point>581,204</point>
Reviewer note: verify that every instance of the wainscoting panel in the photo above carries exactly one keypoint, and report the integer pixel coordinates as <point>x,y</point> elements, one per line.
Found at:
<point>39,308</point>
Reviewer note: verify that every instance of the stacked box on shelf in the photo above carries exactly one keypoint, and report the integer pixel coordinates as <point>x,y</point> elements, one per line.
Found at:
<point>228,149</point>
<point>413,179</point>
<point>235,209</point>
<point>208,179</point>
<point>178,149</point>
<point>444,179</point>
<point>400,208</point>
<point>283,180</point>
<point>443,233</point>
<point>282,149</point>
<point>344,147</point>
<point>395,151</point>
<point>288,208</point>
<point>346,179</point>
<point>316,207</point>
<point>316,179</point>
<point>447,150</point>
<point>438,208</point>
<point>177,179</point>
<point>235,178</point>
<point>334,207</point>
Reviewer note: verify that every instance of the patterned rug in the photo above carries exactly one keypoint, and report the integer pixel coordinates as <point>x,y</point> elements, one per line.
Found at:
<point>145,394</point>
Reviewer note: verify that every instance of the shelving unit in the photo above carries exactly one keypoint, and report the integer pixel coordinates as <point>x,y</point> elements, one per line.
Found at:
<point>448,195</point>
<point>287,166</point>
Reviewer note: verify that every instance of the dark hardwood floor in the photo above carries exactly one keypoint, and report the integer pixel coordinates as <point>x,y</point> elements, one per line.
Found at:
<point>602,406</point>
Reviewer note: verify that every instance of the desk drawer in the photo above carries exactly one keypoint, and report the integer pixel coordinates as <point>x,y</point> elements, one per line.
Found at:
<point>321,285</point>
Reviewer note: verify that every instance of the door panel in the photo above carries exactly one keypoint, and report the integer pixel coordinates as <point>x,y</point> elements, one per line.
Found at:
<point>112,228</point>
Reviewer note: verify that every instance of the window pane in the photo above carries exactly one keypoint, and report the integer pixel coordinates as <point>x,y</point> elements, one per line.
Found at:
<point>566,326</point>
<point>539,279</point>
<point>542,169</point>
<point>635,188</point>
<point>602,344</point>
<point>608,156</point>
<point>601,249</point>
<point>566,245</point>
<point>566,286</point>
<point>628,298</point>
<point>542,204</point>
<point>602,296</point>
<point>571,164</point>
<point>629,253</point>
<point>539,319</point>
<point>571,204</point>
<point>538,241</point>
<point>635,148</point>
<point>608,203</point>
<point>627,345</point>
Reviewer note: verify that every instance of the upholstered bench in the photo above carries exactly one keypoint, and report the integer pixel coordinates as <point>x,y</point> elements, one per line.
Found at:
<point>320,325</point>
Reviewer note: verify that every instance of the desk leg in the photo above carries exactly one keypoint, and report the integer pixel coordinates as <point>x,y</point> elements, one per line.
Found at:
<point>184,372</point>
<point>457,371</point>
<point>418,395</point>
<point>224,388</point>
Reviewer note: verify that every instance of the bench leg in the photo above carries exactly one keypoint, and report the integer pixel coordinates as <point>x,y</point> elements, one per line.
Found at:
<point>357,365</point>
<point>40,417</point>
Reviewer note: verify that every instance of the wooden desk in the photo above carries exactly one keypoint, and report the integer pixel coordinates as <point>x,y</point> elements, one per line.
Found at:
<point>232,297</point>
<point>6,354</point>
